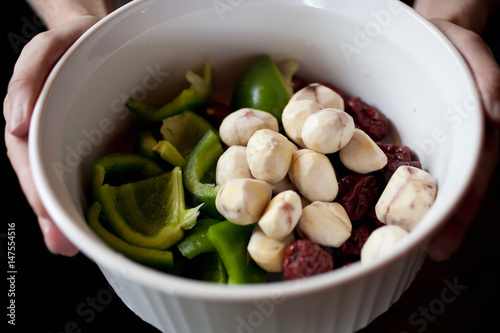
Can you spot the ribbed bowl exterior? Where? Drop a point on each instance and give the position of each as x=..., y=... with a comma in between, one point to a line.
x=342, y=309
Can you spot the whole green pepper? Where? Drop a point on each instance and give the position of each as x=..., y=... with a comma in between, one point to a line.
x=200, y=163
x=231, y=240
x=262, y=86
x=151, y=257
x=189, y=99
x=149, y=213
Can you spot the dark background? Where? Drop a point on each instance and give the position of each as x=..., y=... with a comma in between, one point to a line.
x=50, y=289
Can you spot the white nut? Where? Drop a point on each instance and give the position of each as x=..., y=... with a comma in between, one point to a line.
x=381, y=242
x=281, y=215
x=232, y=164
x=325, y=223
x=407, y=197
x=269, y=155
x=242, y=200
x=313, y=175
x=294, y=115
x=268, y=252
x=362, y=154
x=321, y=94
x=283, y=185
x=240, y=125
x=327, y=131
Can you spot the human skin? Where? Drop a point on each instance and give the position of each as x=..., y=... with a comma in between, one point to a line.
x=66, y=21
x=462, y=21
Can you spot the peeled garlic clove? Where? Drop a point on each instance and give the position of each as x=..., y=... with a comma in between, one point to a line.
x=268, y=252
x=242, y=200
x=407, y=197
x=325, y=223
x=269, y=155
x=327, y=131
x=281, y=215
x=232, y=164
x=313, y=175
x=381, y=242
x=294, y=115
x=362, y=154
x=240, y=125
x=321, y=94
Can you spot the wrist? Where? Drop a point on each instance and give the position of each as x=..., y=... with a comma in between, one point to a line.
x=56, y=13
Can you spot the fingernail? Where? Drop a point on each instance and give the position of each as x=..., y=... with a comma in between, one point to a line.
x=16, y=118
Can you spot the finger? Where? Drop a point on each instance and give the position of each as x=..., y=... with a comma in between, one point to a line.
x=55, y=241
x=482, y=64
x=449, y=239
x=32, y=69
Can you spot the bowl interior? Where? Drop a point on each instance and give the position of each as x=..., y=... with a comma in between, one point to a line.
x=379, y=50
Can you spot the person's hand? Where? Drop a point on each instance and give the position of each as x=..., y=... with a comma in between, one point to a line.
x=487, y=75
x=30, y=72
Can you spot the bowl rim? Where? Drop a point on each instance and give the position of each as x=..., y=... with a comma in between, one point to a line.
x=148, y=277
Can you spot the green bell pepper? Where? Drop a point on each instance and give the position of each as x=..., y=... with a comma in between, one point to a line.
x=205, y=267
x=231, y=240
x=195, y=241
x=121, y=168
x=189, y=99
x=262, y=86
x=169, y=154
x=200, y=163
x=184, y=131
x=150, y=213
x=157, y=258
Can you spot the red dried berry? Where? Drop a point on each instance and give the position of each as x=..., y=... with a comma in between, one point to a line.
x=358, y=194
x=304, y=258
x=216, y=112
x=395, y=153
x=351, y=249
x=369, y=119
x=298, y=83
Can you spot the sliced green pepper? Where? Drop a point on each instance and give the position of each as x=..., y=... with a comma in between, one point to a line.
x=201, y=162
x=189, y=99
x=169, y=154
x=146, y=142
x=184, y=131
x=231, y=240
x=121, y=168
x=150, y=213
x=151, y=257
x=262, y=86
x=205, y=267
x=196, y=241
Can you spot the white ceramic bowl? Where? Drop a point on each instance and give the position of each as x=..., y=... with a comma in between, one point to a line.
x=380, y=50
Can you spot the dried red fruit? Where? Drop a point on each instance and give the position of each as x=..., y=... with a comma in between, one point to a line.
x=216, y=111
x=395, y=153
x=298, y=83
x=369, y=119
x=358, y=194
x=351, y=249
x=304, y=258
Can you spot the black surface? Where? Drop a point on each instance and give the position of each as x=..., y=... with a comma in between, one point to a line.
x=56, y=294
